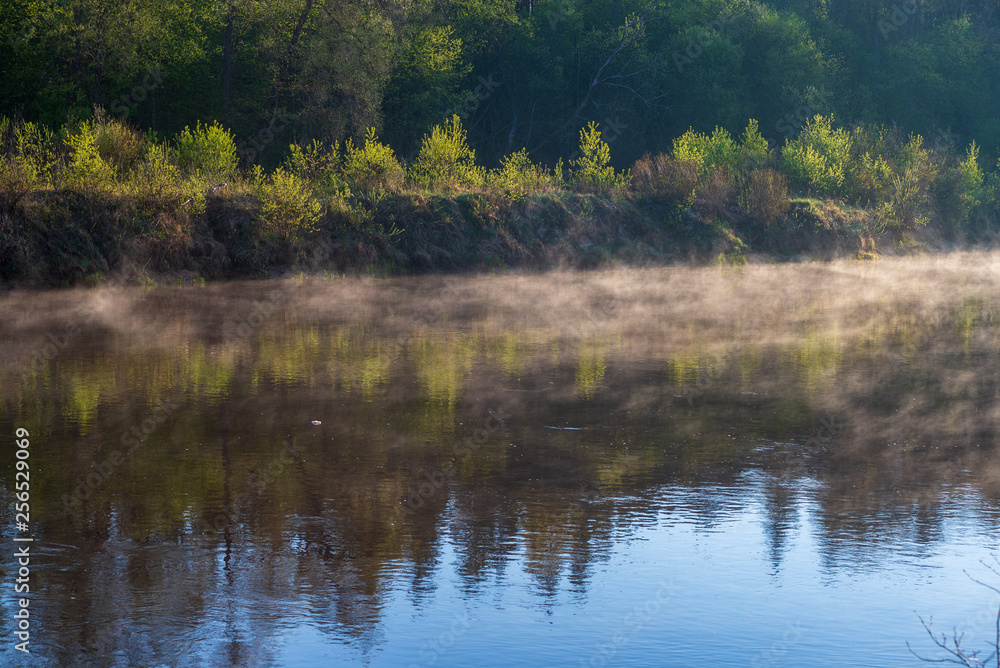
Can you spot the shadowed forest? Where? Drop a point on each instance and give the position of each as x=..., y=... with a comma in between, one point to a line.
x=215, y=139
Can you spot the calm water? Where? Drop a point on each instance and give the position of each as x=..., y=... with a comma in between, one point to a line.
x=775, y=466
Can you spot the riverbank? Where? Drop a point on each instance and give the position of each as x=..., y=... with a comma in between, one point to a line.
x=101, y=201
x=69, y=238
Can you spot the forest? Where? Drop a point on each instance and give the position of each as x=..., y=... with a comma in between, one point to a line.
x=405, y=135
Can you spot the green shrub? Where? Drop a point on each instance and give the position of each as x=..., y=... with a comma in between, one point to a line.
x=371, y=167
x=312, y=161
x=518, y=177
x=971, y=178
x=446, y=161
x=915, y=172
x=156, y=173
x=961, y=187
x=868, y=179
x=720, y=150
x=753, y=150
x=32, y=150
x=592, y=171
x=86, y=166
x=120, y=146
x=254, y=178
x=869, y=169
x=193, y=192
x=912, y=154
x=25, y=160
x=287, y=206
x=320, y=165
x=717, y=150
x=903, y=209
x=207, y=150
x=809, y=168
x=816, y=158
x=664, y=177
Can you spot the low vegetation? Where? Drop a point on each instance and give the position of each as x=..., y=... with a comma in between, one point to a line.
x=97, y=197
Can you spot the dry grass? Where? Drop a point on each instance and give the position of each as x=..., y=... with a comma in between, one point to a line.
x=664, y=177
x=765, y=195
x=716, y=193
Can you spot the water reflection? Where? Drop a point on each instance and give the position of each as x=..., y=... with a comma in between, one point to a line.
x=518, y=447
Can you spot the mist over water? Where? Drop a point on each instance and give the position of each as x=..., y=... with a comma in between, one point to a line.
x=763, y=466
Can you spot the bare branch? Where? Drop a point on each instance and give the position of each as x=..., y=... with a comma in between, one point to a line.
x=959, y=656
x=630, y=30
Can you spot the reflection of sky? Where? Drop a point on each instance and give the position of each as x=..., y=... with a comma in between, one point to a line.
x=685, y=593
x=631, y=468
x=705, y=575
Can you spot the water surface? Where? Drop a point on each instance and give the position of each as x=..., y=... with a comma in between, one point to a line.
x=772, y=466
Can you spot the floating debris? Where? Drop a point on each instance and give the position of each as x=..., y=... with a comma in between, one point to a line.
x=316, y=423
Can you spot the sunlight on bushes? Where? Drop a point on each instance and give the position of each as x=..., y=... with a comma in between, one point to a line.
x=753, y=149
x=904, y=209
x=592, y=172
x=86, y=166
x=372, y=166
x=870, y=181
x=816, y=158
x=720, y=150
x=208, y=150
x=445, y=160
x=156, y=173
x=971, y=183
x=119, y=145
x=25, y=160
x=517, y=177
x=287, y=206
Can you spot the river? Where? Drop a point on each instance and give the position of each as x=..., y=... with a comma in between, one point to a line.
x=751, y=466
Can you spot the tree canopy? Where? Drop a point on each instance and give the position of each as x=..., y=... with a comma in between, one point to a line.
x=519, y=73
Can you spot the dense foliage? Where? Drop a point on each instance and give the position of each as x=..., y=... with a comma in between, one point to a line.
x=519, y=73
x=741, y=113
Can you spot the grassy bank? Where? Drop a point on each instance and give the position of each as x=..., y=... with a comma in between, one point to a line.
x=97, y=200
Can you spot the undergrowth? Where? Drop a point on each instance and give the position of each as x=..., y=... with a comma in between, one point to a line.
x=100, y=198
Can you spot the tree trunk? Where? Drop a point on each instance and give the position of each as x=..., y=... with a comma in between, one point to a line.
x=227, y=63
x=874, y=31
x=300, y=24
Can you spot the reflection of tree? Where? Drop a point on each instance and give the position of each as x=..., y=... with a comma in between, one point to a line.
x=485, y=530
x=601, y=431
x=780, y=517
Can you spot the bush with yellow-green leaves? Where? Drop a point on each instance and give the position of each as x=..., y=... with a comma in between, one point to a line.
x=593, y=172
x=446, y=161
x=288, y=208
